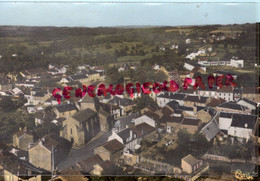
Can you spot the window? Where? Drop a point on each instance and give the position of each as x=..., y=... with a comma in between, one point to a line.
x=71, y=131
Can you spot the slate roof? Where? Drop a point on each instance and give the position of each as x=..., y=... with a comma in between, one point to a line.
x=126, y=120
x=169, y=95
x=124, y=134
x=65, y=107
x=225, y=115
x=166, y=110
x=173, y=119
x=249, y=90
x=211, y=129
x=214, y=88
x=244, y=121
x=18, y=167
x=215, y=102
x=193, y=63
x=113, y=146
x=190, y=160
x=22, y=132
x=173, y=104
x=190, y=121
x=40, y=94
x=78, y=76
x=91, y=72
x=84, y=115
x=224, y=89
x=152, y=115
x=197, y=99
x=87, y=164
x=143, y=129
x=106, y=164
x=121, y=101
x=232, y=105
x=249, y=101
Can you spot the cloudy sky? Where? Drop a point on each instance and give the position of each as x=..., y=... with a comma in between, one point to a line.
x=105, y=13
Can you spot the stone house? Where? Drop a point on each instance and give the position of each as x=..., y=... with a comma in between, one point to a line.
x=190, y=164
x=22, y=139
x=111, y=150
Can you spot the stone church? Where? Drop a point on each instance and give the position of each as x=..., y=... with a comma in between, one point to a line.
x=87, y=122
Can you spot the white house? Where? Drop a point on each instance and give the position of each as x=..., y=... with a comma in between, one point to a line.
x=239, y=125
x=145, y=119
x=247, y=103
x=242, y=126
x=127, y=137
x=190, y=65
x=225, y=120
x=236, y=63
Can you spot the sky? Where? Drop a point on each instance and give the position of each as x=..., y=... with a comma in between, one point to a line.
x=105, y=13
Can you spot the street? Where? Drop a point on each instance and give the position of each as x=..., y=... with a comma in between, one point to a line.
x=87, y=151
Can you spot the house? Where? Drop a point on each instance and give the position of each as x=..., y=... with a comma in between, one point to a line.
x=145, y=119
x=207, y=92
x=111, y=150
x=215, y=102
x=93, y=75
x=70, y=174
x=100, y=167
x=143, y=130
x=242, y=126
x=115, y=110
x=167, y=97
x=226, y=93
x=191, y=101
x=126, y=137
x=131, y=159
x=49, y=147
x=247, y=103
x=174, y=105
x=190, y=65
x=239, y=125
x=251, y=93
x=235, y=62
x=190, y=124
x=80, y=127
x=22, y=139
x=233, y=107
x=39, y=98
x=86, y=166
x=172, y=122
x=16, y=169
x=190, y=164
x=124, y=103
x=124, y=122
x=77, y=77
x=65, y=110
x=5, y=85
x=211, y=129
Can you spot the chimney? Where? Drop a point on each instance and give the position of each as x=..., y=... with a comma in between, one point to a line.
x=20, y=129
x=246, y=125
x=195, y=110
x=131, y=134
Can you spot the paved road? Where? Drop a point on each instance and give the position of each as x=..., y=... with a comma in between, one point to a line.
x=87, y=151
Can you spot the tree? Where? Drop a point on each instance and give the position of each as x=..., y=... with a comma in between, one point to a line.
x=143, y=102
x=160, y=76
x=108, y=46
x=7, y=104
x=113, y=76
